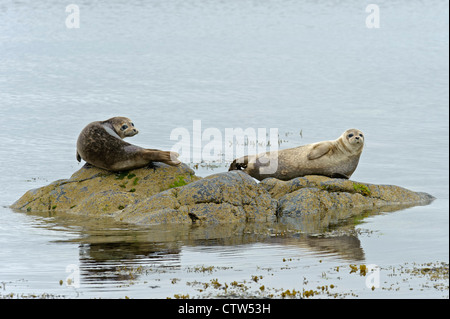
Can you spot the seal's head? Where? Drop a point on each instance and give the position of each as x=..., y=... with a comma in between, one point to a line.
x=123, y=126
x=354, y=138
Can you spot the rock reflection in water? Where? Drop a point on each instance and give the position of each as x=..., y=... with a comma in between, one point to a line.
x=114, y=252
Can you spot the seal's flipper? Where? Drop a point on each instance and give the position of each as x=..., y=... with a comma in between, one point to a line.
x=169, y=158
x=235, y=166
x=173, y=163
x=78, y=157
x=318, y=151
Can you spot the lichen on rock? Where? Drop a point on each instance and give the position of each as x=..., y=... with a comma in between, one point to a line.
x=174, y=195
x=93, y=191
x=321, y=201
x=220, y=198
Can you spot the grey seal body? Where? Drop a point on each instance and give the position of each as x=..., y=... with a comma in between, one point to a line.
x=337, y=159
x=101, y=144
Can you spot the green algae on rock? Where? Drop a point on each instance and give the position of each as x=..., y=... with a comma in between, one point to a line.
x=93, y=191
x=320, y=201
x=220, y=198
x=174, y=195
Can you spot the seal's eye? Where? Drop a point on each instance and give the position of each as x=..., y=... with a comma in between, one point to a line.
x=124, y=127
x=132, y=124
x=361, y=135
x=350, y=135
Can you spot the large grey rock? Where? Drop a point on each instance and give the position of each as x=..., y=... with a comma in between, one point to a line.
x=318, y=201
x=220, y=198
x=174, y=195
x=96, y=192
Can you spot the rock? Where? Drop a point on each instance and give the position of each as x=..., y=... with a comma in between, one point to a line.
x=319, y=201
x=96, y=192
x=174, y=195
x=220, y=198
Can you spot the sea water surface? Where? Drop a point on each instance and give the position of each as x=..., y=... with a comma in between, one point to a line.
x=309, y=69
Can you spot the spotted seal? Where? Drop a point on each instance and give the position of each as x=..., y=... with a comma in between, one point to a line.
x=338, y=159
x=101, y=144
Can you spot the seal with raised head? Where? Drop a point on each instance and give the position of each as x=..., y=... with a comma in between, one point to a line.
x=336, y=159
x=101, y=144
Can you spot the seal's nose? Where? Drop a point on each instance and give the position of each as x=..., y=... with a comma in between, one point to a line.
x=357, y=137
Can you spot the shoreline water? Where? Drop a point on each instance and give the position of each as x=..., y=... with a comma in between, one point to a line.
x=309, y=67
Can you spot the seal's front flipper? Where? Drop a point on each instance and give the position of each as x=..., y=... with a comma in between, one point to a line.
x=318, y=151
x=78, y=157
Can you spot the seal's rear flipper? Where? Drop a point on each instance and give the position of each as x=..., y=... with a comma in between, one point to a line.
x=169, y=158
x=235, y=166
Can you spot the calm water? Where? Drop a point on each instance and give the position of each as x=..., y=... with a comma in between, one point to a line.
x=298, y=66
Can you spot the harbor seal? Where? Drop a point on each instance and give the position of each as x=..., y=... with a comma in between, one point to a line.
x=336, y=159
x=101, y=144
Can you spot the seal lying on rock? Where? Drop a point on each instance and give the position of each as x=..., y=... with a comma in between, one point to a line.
x=101, y=144
x=336, y=159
